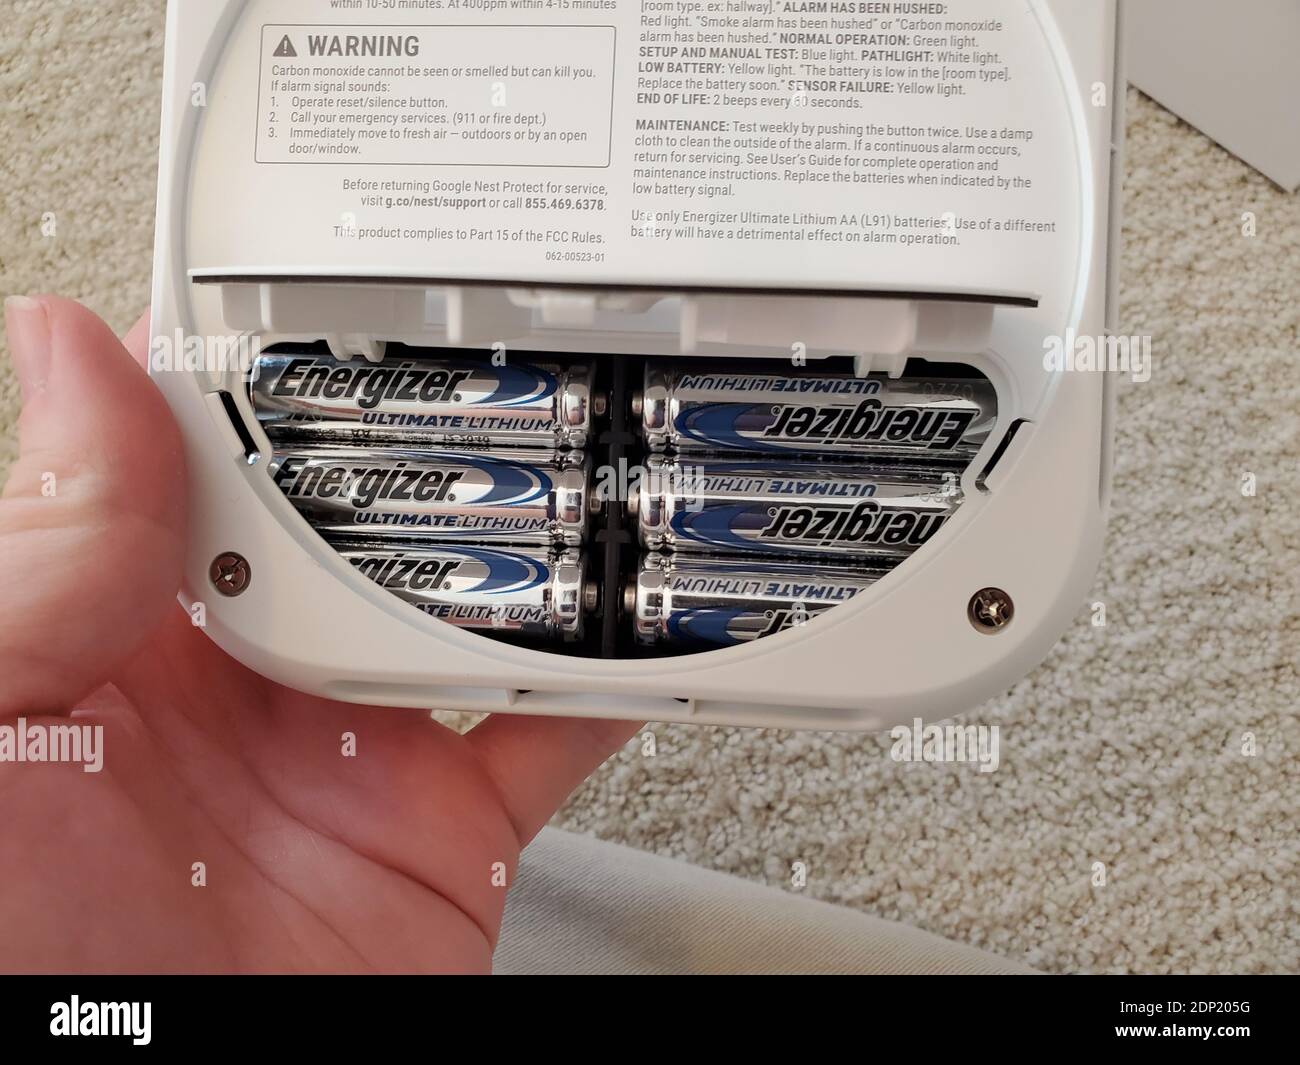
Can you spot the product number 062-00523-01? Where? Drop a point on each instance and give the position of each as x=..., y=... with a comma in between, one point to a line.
x=575, y=256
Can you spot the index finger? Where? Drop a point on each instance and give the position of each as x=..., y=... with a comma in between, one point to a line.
x=136, y=341
x=537, y=762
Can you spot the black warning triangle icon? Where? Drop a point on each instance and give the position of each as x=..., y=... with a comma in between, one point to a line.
x=286, y=50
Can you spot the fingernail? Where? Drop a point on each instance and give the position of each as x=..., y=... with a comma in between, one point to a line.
x=28, y=327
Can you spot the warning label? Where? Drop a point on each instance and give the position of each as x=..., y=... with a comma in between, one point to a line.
x=845, y=145
x=538, y=96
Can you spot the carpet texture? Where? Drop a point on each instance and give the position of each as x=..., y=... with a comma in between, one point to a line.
x=1125, y=748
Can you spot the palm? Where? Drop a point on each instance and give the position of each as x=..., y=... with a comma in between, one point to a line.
x=331, y=837
x=311, y=859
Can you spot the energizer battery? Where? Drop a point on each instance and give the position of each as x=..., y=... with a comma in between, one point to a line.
x=423, y=402
x=488, y=497
x=719, y=411
x=729, y=508
x=725, y=602
x=533, y=594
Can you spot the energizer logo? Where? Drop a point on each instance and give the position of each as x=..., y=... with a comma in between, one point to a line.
x=871, y=423
x=369, y=386
x=865, y=524
x=404, y=574
x=363, y=486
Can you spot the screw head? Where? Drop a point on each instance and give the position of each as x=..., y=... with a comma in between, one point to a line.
x=231, y=574
x=991, y=610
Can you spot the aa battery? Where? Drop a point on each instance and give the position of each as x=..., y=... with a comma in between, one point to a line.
x=496, y=497
x=532, y=594
x=423, y=402
x=771, y=413
x=747, y=508
x=696, y=601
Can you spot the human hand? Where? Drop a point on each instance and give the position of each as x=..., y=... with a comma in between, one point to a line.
x=313, y=861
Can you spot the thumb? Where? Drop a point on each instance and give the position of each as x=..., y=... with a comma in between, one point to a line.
x=92, y=519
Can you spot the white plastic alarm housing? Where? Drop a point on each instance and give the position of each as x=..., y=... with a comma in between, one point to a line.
x=255, y=242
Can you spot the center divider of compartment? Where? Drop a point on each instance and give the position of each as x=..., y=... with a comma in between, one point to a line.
x=613, y=449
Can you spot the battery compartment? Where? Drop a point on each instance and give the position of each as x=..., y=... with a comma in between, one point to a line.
x=625, y=441
x=613, y=551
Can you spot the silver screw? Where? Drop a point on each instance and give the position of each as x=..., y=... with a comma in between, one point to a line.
x=231, y=574
x=991, y=610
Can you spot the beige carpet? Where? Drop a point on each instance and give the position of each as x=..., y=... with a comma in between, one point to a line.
x=1124, y=749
